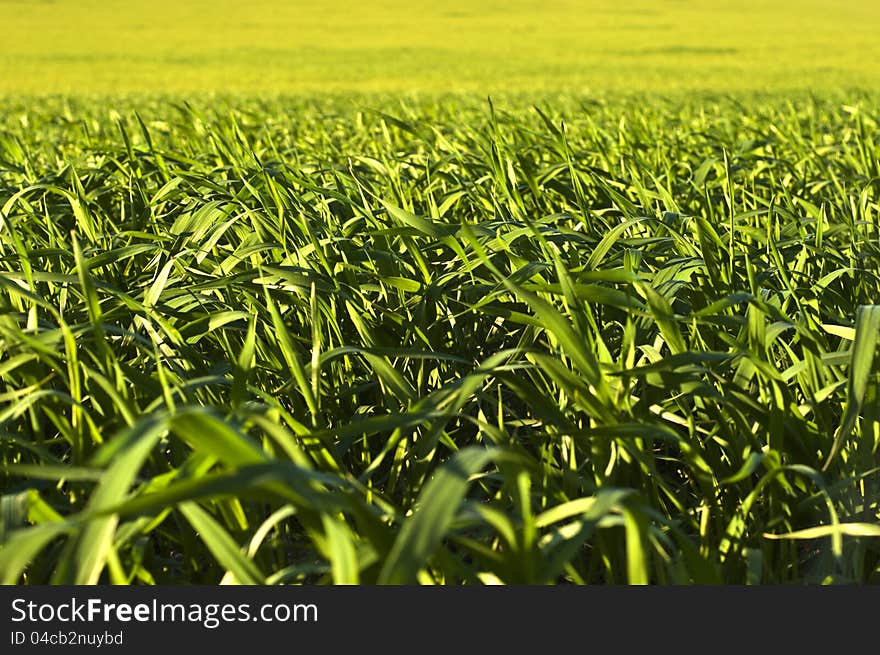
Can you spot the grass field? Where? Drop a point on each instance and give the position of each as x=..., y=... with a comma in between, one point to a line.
x=271, y=46
x=285, y=299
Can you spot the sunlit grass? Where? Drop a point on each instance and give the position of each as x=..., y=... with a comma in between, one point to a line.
x=595, y=342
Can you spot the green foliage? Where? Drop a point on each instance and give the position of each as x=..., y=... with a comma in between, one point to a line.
x=601, y=341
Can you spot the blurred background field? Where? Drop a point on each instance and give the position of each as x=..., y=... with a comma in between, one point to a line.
x=270, y=46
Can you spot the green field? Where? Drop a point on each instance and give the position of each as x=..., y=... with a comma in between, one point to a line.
x=284, y=298
x=269, y=46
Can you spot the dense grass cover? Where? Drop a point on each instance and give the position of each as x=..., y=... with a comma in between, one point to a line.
x=601, y=341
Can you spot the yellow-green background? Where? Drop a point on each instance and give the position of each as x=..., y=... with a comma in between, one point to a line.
x=110, y=46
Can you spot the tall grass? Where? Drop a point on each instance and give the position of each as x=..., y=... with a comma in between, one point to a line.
x=445, y=343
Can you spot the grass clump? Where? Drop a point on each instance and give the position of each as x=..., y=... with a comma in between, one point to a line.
x=597, y=341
